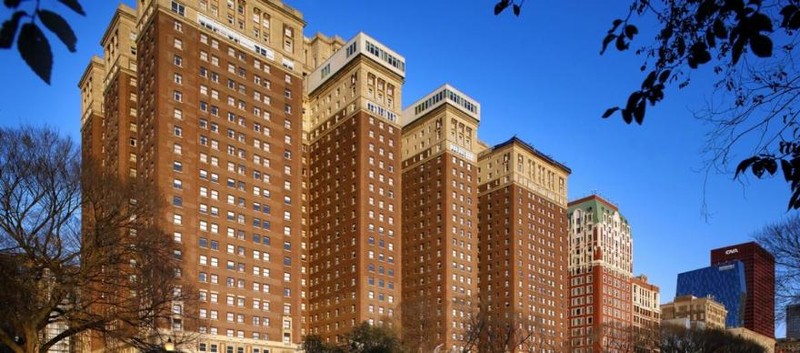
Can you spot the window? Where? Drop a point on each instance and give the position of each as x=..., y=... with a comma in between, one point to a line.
x=178, y=8
x=178, y=96
x=178, y=44
x=177, y=60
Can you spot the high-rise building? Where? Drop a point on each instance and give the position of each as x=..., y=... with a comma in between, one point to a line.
x=523, y=242
x=204, y=99
x=318, y=49
x=600, y=275
x=109, y=129
x=646, y=301
x=725, y=283
x=694, y=312
x=354, y=190
x=280, y=158
x=759, y=273
x=440, y=218
x=793, y=321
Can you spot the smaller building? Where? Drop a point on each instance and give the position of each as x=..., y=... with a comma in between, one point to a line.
x=765, y=341
x=787, y=345
x=646, y=313
x=646, y=298
x=700, y=312
x=793, y=321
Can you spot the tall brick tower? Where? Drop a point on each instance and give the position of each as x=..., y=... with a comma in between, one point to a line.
x=204, y=100
x=440, y=218
x=523, y=241
x=759, y=274
x=354, y=133
x=600, y=272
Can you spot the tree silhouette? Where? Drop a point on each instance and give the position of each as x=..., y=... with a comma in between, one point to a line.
x=364, y=338
x=678, y=339
x=782, y=240
x=78, y=249
x=751, y=47
x=33, y=45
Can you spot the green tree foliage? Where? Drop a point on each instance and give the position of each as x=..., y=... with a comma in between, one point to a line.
x=33, y=45
x=366, y=338
x=751, y=46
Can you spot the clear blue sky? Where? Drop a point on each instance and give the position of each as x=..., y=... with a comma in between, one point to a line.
x=540, y=77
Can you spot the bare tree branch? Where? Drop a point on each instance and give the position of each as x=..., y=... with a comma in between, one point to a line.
x=80, y=248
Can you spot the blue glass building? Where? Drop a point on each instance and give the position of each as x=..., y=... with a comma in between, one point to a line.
x=724, y=282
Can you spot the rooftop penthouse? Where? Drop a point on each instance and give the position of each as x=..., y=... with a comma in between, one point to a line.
x=440, y=96
x=360, y=44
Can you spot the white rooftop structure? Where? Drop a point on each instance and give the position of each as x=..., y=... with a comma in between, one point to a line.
x=360, y=44
x=440, y=96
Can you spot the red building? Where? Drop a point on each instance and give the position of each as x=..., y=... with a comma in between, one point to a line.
x=759, y=273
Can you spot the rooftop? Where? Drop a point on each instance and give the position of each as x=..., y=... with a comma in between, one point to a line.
x=516, y=140
x=444, y=94
x=362, y=44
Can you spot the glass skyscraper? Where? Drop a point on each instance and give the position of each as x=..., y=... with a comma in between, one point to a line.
x=724, y=282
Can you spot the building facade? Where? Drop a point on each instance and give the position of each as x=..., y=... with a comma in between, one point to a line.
x=768, y=343
x=204, y=99
x=759, y=273
x=354, y=192
x=646, y=313
x=440, y=219
x=523, y=243
x=724, y=283
x=702, y=312
x=793, y=321
x=600, y=276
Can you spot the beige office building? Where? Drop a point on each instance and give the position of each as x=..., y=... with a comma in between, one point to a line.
x=646, y=313
x=646, y=299
x=700, y=312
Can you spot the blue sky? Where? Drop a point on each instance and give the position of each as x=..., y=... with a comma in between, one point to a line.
x=540, y=77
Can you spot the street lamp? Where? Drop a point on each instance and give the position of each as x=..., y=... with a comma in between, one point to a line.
x=169, y=346
x=437, y=348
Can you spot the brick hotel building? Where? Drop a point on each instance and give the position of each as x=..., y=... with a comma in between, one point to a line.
x=205, y=98
x=600, y=276
x=440, y=218
x=281, y=157
x=523, y=242
x=354, y=190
